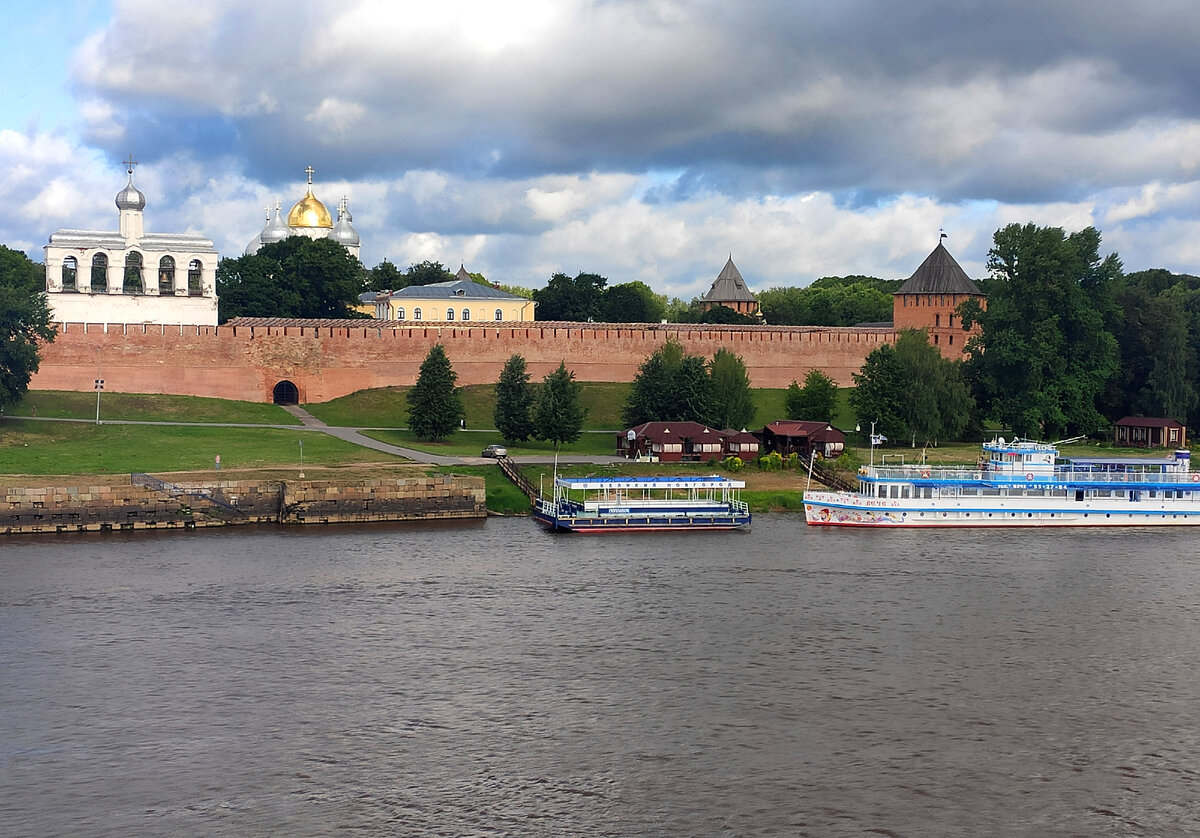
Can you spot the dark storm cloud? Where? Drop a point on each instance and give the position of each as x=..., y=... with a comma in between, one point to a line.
x=1013, y=101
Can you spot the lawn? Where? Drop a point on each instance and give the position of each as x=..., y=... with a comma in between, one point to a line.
x=386, y=407
x=470, y=443
x=59, y=448
x=61, y=404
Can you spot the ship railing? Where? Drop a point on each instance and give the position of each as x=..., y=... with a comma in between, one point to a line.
x=1060, y=475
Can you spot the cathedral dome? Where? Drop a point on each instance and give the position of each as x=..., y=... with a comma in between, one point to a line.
x=309, y=212
x=276, y=230
x=344, y=233
x=131, y=198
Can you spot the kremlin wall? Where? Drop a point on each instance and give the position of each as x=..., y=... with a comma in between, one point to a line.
x=249, y=359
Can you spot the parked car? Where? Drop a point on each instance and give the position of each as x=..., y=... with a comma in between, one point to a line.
x=496, y=451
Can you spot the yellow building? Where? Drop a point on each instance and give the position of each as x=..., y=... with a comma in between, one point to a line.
x=459, y=300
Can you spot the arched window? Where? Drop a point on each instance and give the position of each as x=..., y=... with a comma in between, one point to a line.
x=937, y=319
x=166, y=276
x=100, y=273
x=194, y=289
x=400, y=313
x=70, y=269
x=466, y=315
x=449, y=314
x=133, y=274
x=499, y=314
x=416, y=314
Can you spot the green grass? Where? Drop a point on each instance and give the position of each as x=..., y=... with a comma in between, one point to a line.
x=386, y=407
x=44, y=448
x=471, y=443
x=60, y=404
x=502, y=494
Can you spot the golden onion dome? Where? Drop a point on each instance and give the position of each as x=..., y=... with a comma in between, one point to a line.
x=309, y=212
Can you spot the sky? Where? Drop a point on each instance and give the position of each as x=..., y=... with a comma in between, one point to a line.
x=638, y=139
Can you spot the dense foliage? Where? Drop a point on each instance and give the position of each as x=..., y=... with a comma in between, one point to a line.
x=575, y=299
x=830, y=301
x=514, y=399
x=434, y=406
x=816, y=401
x=1045, y=353
x=558, y=416
x=296, y=277
x=910, y=392
x=732, y=404
x=24, y=323
x=670, y=386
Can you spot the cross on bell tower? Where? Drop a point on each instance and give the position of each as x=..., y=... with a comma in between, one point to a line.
x=130, y=164
x=309, y=171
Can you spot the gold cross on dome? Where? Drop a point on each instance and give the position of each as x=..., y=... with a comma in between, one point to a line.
x=309, y=171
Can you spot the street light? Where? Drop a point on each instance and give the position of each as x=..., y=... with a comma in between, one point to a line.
x=99, y=386
x=301, y=458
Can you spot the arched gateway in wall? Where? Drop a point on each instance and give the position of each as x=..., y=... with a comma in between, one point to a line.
x=285, y=392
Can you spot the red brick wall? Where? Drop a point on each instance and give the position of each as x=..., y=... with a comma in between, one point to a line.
x=937, y=315
x=334, y=360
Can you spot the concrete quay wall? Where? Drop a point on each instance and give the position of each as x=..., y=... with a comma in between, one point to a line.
x=124, y=506
x=329, y=359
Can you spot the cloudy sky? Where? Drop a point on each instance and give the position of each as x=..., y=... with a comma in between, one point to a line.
x=639, y=139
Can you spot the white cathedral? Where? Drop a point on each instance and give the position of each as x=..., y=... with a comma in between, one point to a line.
x=308, y=217
x=129, y=275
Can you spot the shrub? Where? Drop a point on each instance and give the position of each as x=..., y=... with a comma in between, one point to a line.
x=770, y=462
x=732, y=463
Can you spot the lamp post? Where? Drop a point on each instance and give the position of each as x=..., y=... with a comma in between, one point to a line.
x=99, y=386
x=301, y=458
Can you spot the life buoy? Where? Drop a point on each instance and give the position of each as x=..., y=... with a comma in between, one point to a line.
x=1029, y=476
x=925, y=473
x=1196, y=478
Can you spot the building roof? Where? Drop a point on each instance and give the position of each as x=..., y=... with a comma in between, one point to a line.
x=1148, y=422
x=455, y=289
x=940, y=274
x=795, y=428
x=669, y=431
x=729, y=287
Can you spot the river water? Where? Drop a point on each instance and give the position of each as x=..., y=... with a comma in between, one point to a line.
x=494, y=680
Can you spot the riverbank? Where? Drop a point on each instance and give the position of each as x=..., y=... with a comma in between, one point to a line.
x=141, y=502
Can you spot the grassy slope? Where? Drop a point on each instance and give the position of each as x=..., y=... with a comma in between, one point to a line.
x=58, y=404
x=60, y=448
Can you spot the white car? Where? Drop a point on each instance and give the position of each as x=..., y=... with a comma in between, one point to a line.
x=496, y=451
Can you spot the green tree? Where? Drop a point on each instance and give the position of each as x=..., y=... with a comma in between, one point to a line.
x=816, y=401
x=830, y=301
x=670, y=386
x=24, y=323
x=577, y=300
x=911, y=392
x=386, y=277
x=514, y=399
x=558, y=416
x=732, y=403
x=296, y=277
x=1044, y=354
x=724, y=315
x=434, y=406
x=426, y=273
x=631, y=302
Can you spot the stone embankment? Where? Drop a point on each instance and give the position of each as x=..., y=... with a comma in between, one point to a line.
x=147, y=503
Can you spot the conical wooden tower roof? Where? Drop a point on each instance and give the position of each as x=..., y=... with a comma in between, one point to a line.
x=940, y=274
x=729, y=287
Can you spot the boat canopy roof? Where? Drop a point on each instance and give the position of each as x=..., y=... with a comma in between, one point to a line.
x=634, y=483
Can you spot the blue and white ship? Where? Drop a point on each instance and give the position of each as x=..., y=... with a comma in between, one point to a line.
x=1018, y=484
x=629, y=504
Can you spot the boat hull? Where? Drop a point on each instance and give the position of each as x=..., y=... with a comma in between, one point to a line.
x=846, y=509
x=641, y=523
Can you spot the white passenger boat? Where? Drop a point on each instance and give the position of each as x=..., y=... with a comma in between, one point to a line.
x=1018, y=484
x=627, y=504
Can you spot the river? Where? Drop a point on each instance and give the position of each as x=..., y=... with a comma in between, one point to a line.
x=495, y=680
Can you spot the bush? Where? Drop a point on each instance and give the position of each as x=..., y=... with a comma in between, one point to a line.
x=732, y=463
x=792, y=460
x=770, y=462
